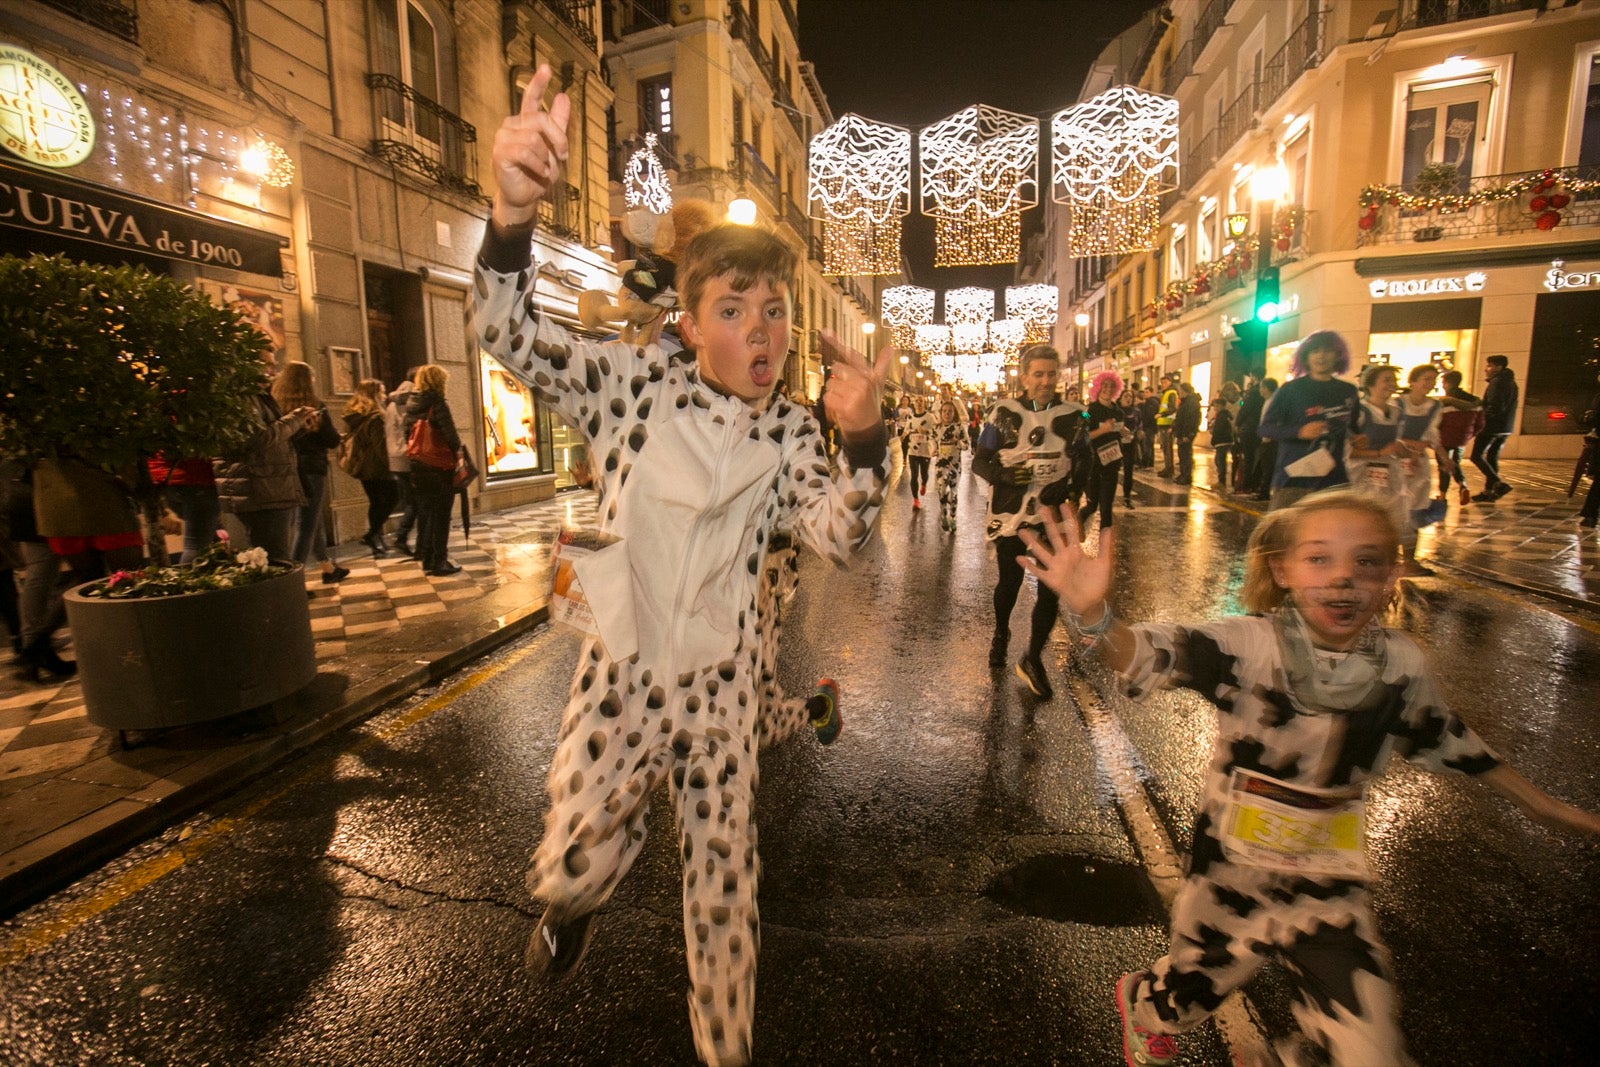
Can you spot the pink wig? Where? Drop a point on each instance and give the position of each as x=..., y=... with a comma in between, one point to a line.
x=1106, y=379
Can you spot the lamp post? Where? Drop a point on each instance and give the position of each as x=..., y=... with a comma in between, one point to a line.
x=1081, y=321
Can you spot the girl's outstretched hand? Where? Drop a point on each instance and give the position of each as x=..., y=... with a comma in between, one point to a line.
x=1081, y=581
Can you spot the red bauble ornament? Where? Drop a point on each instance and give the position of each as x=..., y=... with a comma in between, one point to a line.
x=1544, y=186
x=1538, y=203
x=1283, y=244
x=1560, y=200
x=1366, y=222
x=1548, y=220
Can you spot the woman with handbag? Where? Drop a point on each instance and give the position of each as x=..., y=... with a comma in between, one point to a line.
x=434, y=448
x=295, y=390
x=364, y=455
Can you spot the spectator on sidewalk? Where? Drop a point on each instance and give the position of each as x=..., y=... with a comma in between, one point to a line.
x=296, y=389
x=190, y=489
x=39, y=609
x=433, y=487
x=1220, y=420
x=1166, y=415
x=1134, y=441
x=364, y=455
x=89, y=517
x=1247, y=436
x=261, y=484
x=1149, y=406
x=1460, y=422
x=1185, y=428
x=1266, y=460
x=1310, y=419
x=394, y=419
x=1499, y=416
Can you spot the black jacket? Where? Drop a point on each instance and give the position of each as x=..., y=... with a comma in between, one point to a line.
x=1500, y=403
x=1187, y=421
x=1250, y=413
x=311, y=446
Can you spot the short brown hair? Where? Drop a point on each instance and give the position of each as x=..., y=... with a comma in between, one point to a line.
x=746, y=254
x=1274, y=536
x=1033, y=353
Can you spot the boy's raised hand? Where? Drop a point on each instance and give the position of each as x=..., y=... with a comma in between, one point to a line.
x=1081, y=581
x=855, y=391
x=530, y=149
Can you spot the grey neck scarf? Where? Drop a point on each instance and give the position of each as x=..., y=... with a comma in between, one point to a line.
x=1345, y=686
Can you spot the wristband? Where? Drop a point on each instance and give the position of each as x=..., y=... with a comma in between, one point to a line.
x=1091, y=634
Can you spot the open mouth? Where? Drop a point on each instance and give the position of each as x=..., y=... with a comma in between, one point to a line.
x=1342, y=611
x=761, y=371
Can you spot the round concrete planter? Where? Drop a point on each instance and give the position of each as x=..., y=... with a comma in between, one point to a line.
x=152, y=663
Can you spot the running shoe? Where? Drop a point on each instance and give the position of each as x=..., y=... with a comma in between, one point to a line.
x=556, y=948
x=916, y=503
x=1031, y=671
x=1484, y=497
x=826, y=718
x=1140, y=1047
x=1465, y=496
x=1501, y=490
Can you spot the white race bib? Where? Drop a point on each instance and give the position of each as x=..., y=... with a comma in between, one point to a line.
x=1294, y=828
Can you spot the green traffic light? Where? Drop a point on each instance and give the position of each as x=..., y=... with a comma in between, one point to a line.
x=1267, y=312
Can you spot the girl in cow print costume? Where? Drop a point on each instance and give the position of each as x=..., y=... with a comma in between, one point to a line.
x=1314, y=697
x=949, y=441
x=698, y=464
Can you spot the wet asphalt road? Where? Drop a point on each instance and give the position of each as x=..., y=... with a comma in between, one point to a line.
x=951, y=882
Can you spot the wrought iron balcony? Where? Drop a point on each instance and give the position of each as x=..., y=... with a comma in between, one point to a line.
x=750, y=168
x=796, y=219
x=1489, y=206
x=577, y=16
x=561, y=212
x=1416, y=13
x=622, y=17
x=1237, y=120
x=1200, y=158
x=1212, y=19
x=742, y=29
x=1301, y=51
x=1179, y=68
x=417, y=134
x=116, y=17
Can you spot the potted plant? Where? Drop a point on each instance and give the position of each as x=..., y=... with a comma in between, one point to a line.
x=105, y=367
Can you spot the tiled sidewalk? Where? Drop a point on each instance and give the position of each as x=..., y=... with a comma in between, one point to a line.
x=68, y=790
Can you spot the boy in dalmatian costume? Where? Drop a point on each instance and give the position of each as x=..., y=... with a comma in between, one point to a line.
x=1313, y=697
x=778, y=716
x=1025, y=453
x=701, y=463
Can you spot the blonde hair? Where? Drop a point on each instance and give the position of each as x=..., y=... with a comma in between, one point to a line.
x=366, y=398
x=1275, y=535
x=431, y=378
x=295, y=387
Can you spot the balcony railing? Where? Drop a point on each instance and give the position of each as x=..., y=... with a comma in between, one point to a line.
x=577, y=16
x=796, y=219
x=1200, y=158
x=751, y=169
x=416, y=134
x=116, y=17
x=742, y=29
x=622, y=17
x=1180, y=67
x=1485, y=210
x=1301, y=52
x=1211, y=20
x=561, y=212
x=1416, y=13
x=1237, y=120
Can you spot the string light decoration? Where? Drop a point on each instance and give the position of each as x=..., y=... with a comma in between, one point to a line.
x=860, y=187
x=969, y=338
x=645, y=182
x=267, y=161
x=1036, y=306
x=944, y=368
x=979, y=172
x=1112, y=158
x=1007, y=335
x=932, y=340
x=969, y=306
x=903, y=308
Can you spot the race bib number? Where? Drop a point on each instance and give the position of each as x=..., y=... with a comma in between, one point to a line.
x=1295, y=829
x=1047, y=466
x=949, y=451
x=1109, y=453
x=568, y=605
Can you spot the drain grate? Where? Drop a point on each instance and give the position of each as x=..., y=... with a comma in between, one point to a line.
x=1079, y=889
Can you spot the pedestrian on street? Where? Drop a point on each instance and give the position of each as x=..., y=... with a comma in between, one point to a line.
x=919, y=429
x=1266, y=461
x=1591, y=442
x=394, y=428
x=950, y=440
x=1310, y=419
x=1134, y=441
x=1105, y=427
x=1460, y=421
x=433, y=483
x=1314, y=697
x=1166, y=415
x=666, y=689
x=261, y=483
x=364, y=455
x=1185, y=428
x=295, y=389
x=1220, y=419
x=1389, y=450
x=1247, y=436
x=189, y=487
x=1499, y=416
x=39, y=608
x=1149, y=406
x=1024, y=453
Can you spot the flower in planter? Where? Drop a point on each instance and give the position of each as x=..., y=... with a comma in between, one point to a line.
x=218, y=567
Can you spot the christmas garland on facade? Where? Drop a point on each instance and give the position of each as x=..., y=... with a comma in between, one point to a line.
x=1548, y=192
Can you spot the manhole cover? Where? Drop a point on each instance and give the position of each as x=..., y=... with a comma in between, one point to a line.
x=1079, y=889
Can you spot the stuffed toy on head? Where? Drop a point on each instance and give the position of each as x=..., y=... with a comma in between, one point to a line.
x=648, y=291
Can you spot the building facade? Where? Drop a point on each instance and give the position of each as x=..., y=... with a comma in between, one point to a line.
x=1424, y=176
x=324, y=167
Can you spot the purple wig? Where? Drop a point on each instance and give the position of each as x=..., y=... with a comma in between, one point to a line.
x=1322, y=339
x=1100, y=381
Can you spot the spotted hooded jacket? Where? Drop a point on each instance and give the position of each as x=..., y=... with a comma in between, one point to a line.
x=690, y=480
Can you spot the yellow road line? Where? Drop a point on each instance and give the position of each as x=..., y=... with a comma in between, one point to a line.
x=145, y=873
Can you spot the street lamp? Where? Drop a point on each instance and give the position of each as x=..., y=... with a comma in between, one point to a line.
x=742, y=211
x=1081, y=321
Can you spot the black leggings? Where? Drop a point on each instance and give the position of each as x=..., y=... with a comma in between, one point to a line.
x=381, y=496
x=1045, y=608
x=1102, y=493
x=919, y=474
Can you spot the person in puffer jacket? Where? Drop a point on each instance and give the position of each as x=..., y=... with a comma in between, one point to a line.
x=696, y=464
x=261, y=484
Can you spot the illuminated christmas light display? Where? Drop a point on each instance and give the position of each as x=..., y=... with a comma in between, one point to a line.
x=1006, y=336
x=860, y=187
x=932, y=340
x=969, y=338
x=979, y=172
x=645, y=181
x=969, y=306
x=1112, y=157
x=1036, y=306
x=904, y=307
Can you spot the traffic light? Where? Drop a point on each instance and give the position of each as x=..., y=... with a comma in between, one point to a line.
x=1267, y=295
x=1252, y=335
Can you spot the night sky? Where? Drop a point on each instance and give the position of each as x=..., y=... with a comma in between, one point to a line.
x=913, y=62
